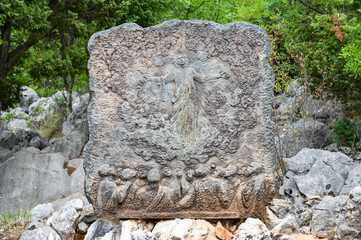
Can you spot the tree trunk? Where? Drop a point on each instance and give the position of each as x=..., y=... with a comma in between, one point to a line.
x=69, y=91
x=4, y=49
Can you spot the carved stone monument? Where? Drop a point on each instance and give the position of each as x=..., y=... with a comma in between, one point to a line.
x=180, y=121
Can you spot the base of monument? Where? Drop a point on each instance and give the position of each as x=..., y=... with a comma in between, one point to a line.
x=172, y=215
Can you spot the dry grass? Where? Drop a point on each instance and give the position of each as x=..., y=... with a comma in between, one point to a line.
x=12, y=225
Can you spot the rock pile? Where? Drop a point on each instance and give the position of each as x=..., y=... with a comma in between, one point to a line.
x=36, y=170
x=325, y=187
x=75, y=219
x=302, y=121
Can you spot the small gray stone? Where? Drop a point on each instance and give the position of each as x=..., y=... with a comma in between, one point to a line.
x=82, y=228
x=78, y=119
x=69, y=146
x=87, y=214
x=7, y=140
x=346, y=150
x=332, y=147
x=39, y=231
x=357, y=156
x=38, y=142
x=41, y=211
x=104, y=230
x=28, y=96
x=64, y=220
x=286, y=226
x=5, y=154
x=142, y=235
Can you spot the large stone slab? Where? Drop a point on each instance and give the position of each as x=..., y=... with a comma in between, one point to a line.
x=30, y=177
x=180, y=121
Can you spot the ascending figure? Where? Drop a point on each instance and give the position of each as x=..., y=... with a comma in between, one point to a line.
x=206, y=193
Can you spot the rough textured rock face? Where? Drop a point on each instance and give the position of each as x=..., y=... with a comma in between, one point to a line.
x=180, y=121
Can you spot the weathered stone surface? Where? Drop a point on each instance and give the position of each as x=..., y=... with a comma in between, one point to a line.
x=325, y=214
x=315, y=172
x=180, y=121
x=305, y=133
x=222, y=233
x=7, y=140
x=142, y=235
x=5, y=154
x=30, y=177
x=253, y=229
x=78, y=119
x=40, y=231
x=353, y=180
x=175, y=229
x=64, y=220
x=28, y=96
x=69, y=146
x=41, y=211
x=286, y=226
x=349, y=226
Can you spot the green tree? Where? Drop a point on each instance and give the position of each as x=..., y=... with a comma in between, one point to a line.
x=323, y=37
x=65, y=25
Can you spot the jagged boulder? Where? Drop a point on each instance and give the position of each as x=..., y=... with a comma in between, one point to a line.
x=305, y=133
x=349, y=224
x=31, y=177
x=319, y=172
x=325, y=214
x=69, y=146
x=28, y=96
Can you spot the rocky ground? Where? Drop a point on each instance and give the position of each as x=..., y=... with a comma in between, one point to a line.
x=320, y=195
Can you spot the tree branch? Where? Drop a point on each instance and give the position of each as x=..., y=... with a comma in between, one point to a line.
x=190, y=11
x=309, y=6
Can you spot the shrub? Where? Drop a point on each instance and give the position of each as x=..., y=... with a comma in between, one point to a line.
x=345, y=132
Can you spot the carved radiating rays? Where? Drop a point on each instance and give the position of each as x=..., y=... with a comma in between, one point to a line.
x=191, y=101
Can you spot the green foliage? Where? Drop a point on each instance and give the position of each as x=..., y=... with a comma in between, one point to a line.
x=43, y=43
x=345, y=131
x=323, y=37
x=10, y=92
x=351, y=54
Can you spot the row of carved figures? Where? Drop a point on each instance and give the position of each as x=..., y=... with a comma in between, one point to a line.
x=243, y=189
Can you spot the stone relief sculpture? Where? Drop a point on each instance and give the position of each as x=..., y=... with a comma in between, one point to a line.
x=180, y=121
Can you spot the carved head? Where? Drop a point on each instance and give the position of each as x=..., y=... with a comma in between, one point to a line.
x=142, y=172
x=218, y=172
x=178, y=172
x=153, y=175
x=189, y=174
x=181, y=61
x=104, y=170
x=230, y=171
x=166, y=172
x=128, y=174
x=202, y=170
x=107, y=170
